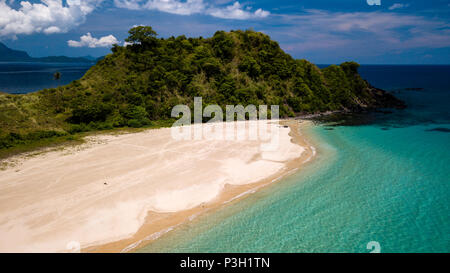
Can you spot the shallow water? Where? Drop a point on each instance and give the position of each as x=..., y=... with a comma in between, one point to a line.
x=385, y=180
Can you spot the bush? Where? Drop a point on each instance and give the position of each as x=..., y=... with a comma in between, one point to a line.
x=134, y=123
x=118, y=121
x=146, y=122
x=90, y=113
x=134, y=98
x=43, y=134
x=295, y=103
x=211, y=66
x=135, y=112
x=77, y=128
x=14, y=139
x=249, y=65
x=223, y=45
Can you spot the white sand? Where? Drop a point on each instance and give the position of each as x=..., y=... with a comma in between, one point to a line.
x=54, y=199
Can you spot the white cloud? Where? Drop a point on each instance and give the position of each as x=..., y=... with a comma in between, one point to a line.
x=176, y=7
x=234, y=11
x=170, y=6
x=363, y=33
x=398, y=6
x=128, y=4
x=48, y=16
x=89, y=41
x=58, y=16
x=52, y=29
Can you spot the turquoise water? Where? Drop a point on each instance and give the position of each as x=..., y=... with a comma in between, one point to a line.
x=384, y=180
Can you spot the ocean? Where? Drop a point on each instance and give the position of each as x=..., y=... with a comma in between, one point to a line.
x=22, y=77
x=380, y=182
x=379, y=179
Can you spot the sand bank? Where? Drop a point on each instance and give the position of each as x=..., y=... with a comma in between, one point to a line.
x=127, y=190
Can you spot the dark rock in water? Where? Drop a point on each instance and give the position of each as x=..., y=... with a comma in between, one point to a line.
x=384, y=99
x=384, y=128
x=439, y=129
x=345, y=119
x=329, y=129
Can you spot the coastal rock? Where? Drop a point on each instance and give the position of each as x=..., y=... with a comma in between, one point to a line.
x=384, y=99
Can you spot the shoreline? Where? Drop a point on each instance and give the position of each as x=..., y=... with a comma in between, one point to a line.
x=158, y=224
x=118, y=193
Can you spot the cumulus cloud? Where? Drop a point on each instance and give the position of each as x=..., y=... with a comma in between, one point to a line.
x=398, y=6
x=48, y=16
x=233, y=11
x=58, y=16
x=128, y=4
x=176, y=7
x=89, y=41
x=236, y=11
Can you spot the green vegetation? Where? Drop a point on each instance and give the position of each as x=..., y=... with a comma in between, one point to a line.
x=137, y=85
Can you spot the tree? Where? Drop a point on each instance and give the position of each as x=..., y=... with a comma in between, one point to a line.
x=350, y=68
x=143, y=35
x=249, y=65
x=223, y=45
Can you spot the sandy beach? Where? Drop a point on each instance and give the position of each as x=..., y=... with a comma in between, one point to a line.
x=121, y=192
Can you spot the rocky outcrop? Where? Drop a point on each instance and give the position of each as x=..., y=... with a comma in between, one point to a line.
x=383, y=99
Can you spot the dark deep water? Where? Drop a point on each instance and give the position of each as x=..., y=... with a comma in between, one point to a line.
x=20, y=77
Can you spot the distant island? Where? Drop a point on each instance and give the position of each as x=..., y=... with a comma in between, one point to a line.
x=138, y=84
x=10, y=55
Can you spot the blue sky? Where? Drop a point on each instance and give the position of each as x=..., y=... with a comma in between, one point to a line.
x=322, y=31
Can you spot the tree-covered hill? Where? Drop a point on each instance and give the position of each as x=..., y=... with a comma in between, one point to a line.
x=140, y=83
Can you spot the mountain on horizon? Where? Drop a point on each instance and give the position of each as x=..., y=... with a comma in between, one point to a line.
x=7, y=54
x=89, y=57
x=11, y=55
